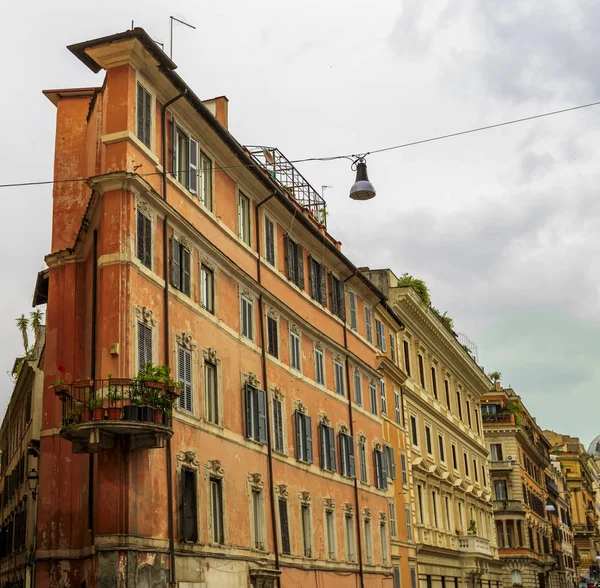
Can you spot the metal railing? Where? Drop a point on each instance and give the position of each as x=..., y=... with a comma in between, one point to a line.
x=116, y=399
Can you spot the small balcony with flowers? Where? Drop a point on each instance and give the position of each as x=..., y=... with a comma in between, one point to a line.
x=97, y=412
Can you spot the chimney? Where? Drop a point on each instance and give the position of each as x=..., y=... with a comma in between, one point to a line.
x=497, y=386
x=219, y=107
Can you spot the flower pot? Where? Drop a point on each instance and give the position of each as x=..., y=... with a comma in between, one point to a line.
x=86, y=415
x=120, y=381
x=60, y=390
x=131, y=412
x=153, y=384
x=159, y=417
x=114, y=413
x=98, y=414
x=146, y=414
x=174, y=392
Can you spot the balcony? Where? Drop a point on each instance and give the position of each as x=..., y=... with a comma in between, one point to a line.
x=96, y=412
x=501, y=465
x=506, y=418
x=506, y=506
x=474, y=545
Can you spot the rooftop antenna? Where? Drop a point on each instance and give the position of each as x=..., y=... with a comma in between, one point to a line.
x=183, y=23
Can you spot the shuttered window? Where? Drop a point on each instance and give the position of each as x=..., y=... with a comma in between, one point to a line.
x=380, y=469
x=206, y=168
x=327, y=448
x=350, y=543
x=284, y=527
x=406, y=357
x=247, y=327
x=306, y=531
x=295, y=351
x=318, y=281
x=192, y=183
x=144, y=239
x=337, y=298
x=380, y=335
x=256, y=414
x=211, y=393
x=384, y=543
x=303, y=430
x=216, y=503
x=397, y=410
x=408, y=521
x=362, y=461
x=189, y=506
x=352, y=307
x=393, y=348
x=393, y=526
x=272, y=337
x=368, y=541
x=188, y=164
x=207, y=288
x=373, y=397
x=294, y=262
x=347, y=466
x=319, y=367
x=258, y=519
x=368, y=325
x=390, y=462
x=338, y=370
x=397, y=577
x=278, y=425
x=404, y=469
x=244, y=223
x=330, y=533
x=382, y=394
x=184, y=372
x=144, y=345
x=144, y=115
x=269, y=241
x=357, y=388
x=180, y=267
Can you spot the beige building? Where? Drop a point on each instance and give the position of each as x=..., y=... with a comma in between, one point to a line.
x=19, y=451
x=450, y=489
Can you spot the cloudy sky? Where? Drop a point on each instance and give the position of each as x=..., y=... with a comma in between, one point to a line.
x=500, y=224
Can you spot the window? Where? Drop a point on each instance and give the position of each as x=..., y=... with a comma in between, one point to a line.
x=459, y=404
x=352, y=307
x=466, y=460
x=338, y=372
x=244, y=223
x=435, y=510
x=380, y=469
x=475, y=470
x=373, y=395
x=189, y=506
x=284, y=527
x=434, y=382
x=337, y=299
x=390, y=462
x=184, y=372
x=406, y=357
x=327, y=447
x=404, y=469
x=421, y=371
x=362, y=459
x=211, y=392
x=441, y=447
x=460, y=517
x=368, y=325
x=318, y=281
x=184, y=164
x=258, y=519
x=420, y=503
x=278, y=425
x=469, y=413
x=454, y=459
x=350, y=545
x=413, y=430
x=397, y=577
x=144, y=239
x=319, y=367
x=304, y=449
x=144, y=115
x=393, y=348
x=500, y=490
x=330, y=531
x=448, y=520
x=347, y=455
x=413, y=578
x=428, y=440
x=205, y=181
x=272, y=337
x=144, y=345
x=483, y=476
x=294, y=262
x=392, y=511
x=295, y=351
x=397, y=406
x=383, y=397
x=477, y=422
x=407, y=518
x=180, y=267
x=384, y=543
x=247, y=318
x=447, y=390
x=306, y=531
x=368, y=541
x=516, y=578
x=216, y=502
x=496, y=451
x=269, y=241
x=380, y=336
x=256, y=414
x=357, y=388
x=207, y=288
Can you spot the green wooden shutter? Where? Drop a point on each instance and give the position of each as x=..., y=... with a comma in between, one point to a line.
x=185, y=271
x=175, y=264
x=299, y=267
x=309, y=439
x=351, y=461
x=249, y=402
x=262, y=416
x=298, y=430
x=331, y=447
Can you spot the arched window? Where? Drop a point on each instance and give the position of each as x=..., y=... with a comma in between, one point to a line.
x=516, y=578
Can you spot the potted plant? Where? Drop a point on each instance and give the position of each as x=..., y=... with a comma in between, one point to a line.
x=86, y=413
x=472, y=528
x=113, y=411
x=97, y=408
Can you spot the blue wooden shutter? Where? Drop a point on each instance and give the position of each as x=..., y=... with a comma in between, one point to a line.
x=175, y=264
x=262, y=416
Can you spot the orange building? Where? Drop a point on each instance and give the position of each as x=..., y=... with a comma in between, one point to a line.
x=185, y=249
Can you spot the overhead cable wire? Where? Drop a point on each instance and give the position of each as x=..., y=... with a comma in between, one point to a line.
x=347, y=156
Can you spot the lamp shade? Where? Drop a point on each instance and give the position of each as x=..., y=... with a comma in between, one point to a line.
x=362, y=189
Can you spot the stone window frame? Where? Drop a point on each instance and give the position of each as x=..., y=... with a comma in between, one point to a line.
x=318, y=346
x=384, y=539
x=274, y=314
x=214, y=470
x=210, y=355
x=361, y=438
x=329, y=507
x=367, y=516
x=187, y=243
x=305, y=499
x=141, y=205
x=188, y=460
x=277, y=394
x=282, y=493
x=145, y=83
x=145, y=315
x=266, y=216
x=294, y=329
x=348, y=513
x=255, y=483
x=185, y=340
x=245, y=292
x=204, y=260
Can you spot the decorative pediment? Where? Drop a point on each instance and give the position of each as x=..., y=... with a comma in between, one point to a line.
x=382, y=517
x=366, y=513
x=342, y=427
x=184, y=241
x=244, y=291
x=300, y=406
x=214, y=468
x=304, y=497
x=188, y=458
x=145, y=315
x=210, y=354
x=362, y=437
x=324, y=419
x=329, y=504
x=338, y=357
x=256, y=481
x=282, y=491
x=294, y=328
x=277, y=393
x=185, y=340
x=348, y=508
x=377, y=445
x=251, y=379
x=144, y=208
x=272, y=313
x=207, y=262
x=319, y=345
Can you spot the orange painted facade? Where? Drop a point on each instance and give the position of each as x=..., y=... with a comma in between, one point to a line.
x=114, y=507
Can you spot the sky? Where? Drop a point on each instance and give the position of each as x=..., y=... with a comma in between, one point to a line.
x=500, y=224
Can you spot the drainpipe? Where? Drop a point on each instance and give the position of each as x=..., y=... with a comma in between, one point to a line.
x=264, y=375
x=170, y=521
x=351, y=419
x=93, y=374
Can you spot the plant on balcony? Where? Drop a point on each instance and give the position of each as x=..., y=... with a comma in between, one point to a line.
x=515, y=409
x=495, y=376
x=148, y=391
x=472, y=530
x=96, y=405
